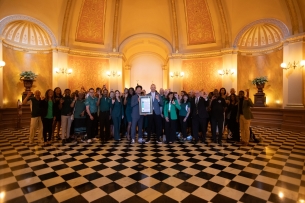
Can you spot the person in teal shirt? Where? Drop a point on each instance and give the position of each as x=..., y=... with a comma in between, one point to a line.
x=170, y=113
x=184, y=113
x=91, y=109
x=117, y=114
x=127, y=102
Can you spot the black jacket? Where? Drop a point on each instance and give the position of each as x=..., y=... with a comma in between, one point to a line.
x=201, y=106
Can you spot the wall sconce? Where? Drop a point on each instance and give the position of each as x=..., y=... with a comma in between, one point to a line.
x=293, y=65
x=114, y=73
x=2, y=64
x=176, y=74
x=63, y=70
x=225, y=72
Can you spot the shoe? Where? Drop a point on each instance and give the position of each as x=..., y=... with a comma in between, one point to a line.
x=83, y=141
x=219, y=142
x=202, y=141
x=132, y=141
x=245, y=143
x=159, y=141
x=145, y=133
x=75, y=142
x=63, y=142
x=195, y=141
x=89, y=141
x=147, y=141
x=239, y=143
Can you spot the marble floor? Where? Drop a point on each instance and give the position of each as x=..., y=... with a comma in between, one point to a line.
x=271, y=171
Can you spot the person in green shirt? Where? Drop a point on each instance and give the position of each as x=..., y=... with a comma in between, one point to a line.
x=184, y=113
x=48, y=116
x=117, y=114
x=91, y=109
x=36, y=122
x=170, y=114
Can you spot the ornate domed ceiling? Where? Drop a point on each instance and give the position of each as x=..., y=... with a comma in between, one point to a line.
x=261, y=35
x=26, y=34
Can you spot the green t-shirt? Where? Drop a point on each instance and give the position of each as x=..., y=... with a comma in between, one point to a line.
x=66, y=108
x=35, y=107
x=105, y=104
x=184, y=107
x=50, y=109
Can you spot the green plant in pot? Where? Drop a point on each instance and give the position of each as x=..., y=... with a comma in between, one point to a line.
x=260, y=83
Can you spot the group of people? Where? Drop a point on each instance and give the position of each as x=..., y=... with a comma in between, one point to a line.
x=97, y=113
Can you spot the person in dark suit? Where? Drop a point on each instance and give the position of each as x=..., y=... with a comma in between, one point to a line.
x=117, y=114
x=136, y=118
x=218, y=107
x=155, y=118
x=200, y=115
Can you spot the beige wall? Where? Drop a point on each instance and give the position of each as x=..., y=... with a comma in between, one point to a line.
x=249, y=67
x=18, y=61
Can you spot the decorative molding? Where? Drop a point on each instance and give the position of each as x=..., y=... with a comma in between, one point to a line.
x=295, y=38
x=224, y=23
x=65, y=23
x=8, y=19
x=199, y=24
x=174, y=15
x=115, y=25
x=91, y=22
x=284, y=29
x=293, y=16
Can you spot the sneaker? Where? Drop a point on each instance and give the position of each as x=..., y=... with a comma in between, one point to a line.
x=89, y=141
x=75, y=142
x=145, y=133
x=95, y=139
x=140, y=140
x=132, y=141
x=159, y=141
x=147, y=141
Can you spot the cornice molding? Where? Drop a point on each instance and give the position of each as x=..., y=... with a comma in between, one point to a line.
x=24, y=48
x=295, y=38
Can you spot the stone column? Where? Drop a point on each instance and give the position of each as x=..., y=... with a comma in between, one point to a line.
x=293, y=51
x=1, y=75
x=116, y=65
x=175, y=67
x=230, y=63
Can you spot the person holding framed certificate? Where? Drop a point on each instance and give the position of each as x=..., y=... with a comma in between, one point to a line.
x=170, y=113
x=136, y=117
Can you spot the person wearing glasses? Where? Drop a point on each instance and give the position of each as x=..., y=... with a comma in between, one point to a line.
x=91, y=109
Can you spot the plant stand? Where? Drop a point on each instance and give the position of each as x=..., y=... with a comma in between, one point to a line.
x=27, y=85
x=259, y=97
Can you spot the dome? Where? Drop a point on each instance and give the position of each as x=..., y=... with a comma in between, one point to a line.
x=26, y=34
x=260, y=35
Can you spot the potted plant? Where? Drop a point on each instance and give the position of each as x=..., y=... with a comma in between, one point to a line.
x=28, y=78
x=260, y=83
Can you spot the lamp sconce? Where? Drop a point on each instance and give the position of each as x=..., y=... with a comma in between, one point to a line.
x=226, y=72
x=2, y=64
x=294, y=65
x=66, y=71
x=114, y=73
x=176, y=74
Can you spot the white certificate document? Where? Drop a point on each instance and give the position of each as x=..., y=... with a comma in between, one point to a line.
x=146, y=105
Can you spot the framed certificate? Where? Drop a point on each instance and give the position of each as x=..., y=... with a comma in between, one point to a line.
x=145, y=105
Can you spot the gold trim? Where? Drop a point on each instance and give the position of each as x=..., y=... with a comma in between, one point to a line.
x=115, y=24
x=24, y=48
x=65, y=23
x=175, y=25
x=104, y=21
x=224, y=23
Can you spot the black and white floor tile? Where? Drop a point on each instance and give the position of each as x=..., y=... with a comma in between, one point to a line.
x=271, y=171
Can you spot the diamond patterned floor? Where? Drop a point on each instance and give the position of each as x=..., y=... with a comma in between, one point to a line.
x=271, y=171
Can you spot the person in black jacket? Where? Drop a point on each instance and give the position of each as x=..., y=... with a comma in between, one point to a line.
x=48, y=112
x=200, y=115
x=218, y=107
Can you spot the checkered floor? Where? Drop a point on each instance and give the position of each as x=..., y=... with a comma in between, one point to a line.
x=272, y=171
